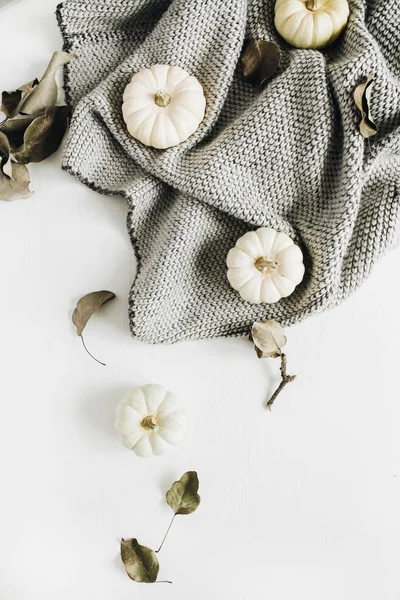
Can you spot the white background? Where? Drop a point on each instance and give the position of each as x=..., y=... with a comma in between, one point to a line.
x=299, y=503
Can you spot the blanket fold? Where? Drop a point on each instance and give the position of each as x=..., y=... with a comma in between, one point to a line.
x=290, y=157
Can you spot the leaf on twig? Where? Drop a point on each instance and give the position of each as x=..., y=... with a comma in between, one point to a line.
x=17, y=186
x=183, y=495
x=45, y=93
x=11, y=101
x=268, y=338
x=5, y=158
x=85, y=308
x=362, y=98
x=141, y=563
x=44, y=135
x=260, y=61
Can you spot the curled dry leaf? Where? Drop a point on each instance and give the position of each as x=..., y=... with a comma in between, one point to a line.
x=15, y=129
x=44, y=95
x=362, y=98
x=17, y=186
x=268, y=338
x=85, y=308
x=183, y=495
x=5, y=158
x=11, y=101
x=44, y=135
x=141, y=563
x=260, y=61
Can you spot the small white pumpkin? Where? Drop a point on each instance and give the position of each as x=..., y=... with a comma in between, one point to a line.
x=265, y=266
x=163, y=106
x=311, y=23
x=148, y=419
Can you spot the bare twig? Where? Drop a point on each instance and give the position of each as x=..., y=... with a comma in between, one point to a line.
x=285, y=380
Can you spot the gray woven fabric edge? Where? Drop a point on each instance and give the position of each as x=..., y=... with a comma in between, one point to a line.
x=291, y=158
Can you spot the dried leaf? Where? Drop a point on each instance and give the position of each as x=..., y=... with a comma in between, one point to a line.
x=362, y=98
x=85, y=308
x=182, y=497
x=45, y=93
x=141, y=563
x=268, y=338
x=44, y=135
x=260, y=61
x=17, y=186
x=15, y=129
x=11, y=101
x=5, y=158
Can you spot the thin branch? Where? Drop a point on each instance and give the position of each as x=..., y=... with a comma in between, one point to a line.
x=90, y=354
x=165, y=536
x=285, y=380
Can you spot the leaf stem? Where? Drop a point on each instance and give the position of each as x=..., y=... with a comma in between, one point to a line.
x=90, y=354
x=285, y=380
x=163, y=581
x=3, y=122
x=165, y=536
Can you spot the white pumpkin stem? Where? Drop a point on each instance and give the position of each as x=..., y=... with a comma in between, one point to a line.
x=149, y=423
x=264, y=265
x=313, y=4
x=165, y=536
x=285, y=380
x=162, y=98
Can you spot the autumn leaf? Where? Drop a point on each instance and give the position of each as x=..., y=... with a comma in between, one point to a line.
x=15, y=129
x=11, y=101
x=44, y=95
x=260, y=61
x=44, y=135
x=183, y=495
x=16, y=186
x=5, y=158
x=362, y=99
x=141, y=563
x=268, y=338
x=85, y=308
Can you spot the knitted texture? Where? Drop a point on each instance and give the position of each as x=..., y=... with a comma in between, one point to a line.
x=290, y=157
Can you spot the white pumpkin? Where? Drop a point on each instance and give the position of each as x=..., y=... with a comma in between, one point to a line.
x=148, y=419
x=163, y=106
x=311, y=23
x=265, y=266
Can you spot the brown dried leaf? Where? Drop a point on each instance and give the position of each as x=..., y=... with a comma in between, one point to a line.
x=15, y=129
x=45, y=93
x=141, y=563
x=44, y=135
x=362, y=98
x=11, y=101
x=5, y=158
x=87, y=306
x=17, y=186
x=268, y=338
x=260, y=61
x=183, y=495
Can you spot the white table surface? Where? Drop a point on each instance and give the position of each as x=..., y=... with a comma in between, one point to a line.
x=299, y=503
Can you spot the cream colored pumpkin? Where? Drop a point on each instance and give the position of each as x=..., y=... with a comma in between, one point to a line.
x=163, y=106
x=148, y=419
x=265, y=266
x=311, y=23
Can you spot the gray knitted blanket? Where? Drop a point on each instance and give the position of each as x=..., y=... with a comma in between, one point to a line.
x=291, y=157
